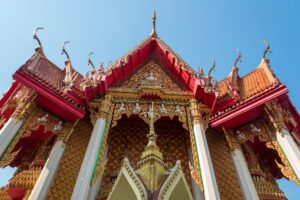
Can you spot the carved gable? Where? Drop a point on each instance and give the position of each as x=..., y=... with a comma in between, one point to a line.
x=151, y=75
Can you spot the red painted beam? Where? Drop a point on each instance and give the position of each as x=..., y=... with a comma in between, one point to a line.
x=280, y=90
x=42, y=90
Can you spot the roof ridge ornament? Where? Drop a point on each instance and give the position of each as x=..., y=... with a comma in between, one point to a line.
x=153, y=33
x=63, y=50
x=35, y=37
x=239, y=58
x=213, y=67
x=90, y=61
x=268, y=49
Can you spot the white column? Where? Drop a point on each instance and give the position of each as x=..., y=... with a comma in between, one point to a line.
x=211, y=191
x=244, y=176
x=82, y=186
x=8, y=132
x=290, y=149
x=45, y=179
x=94, y=190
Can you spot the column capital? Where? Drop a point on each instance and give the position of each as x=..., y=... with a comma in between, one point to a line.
x=195, y=112
x=277, y=115
x=231, y=139
x=26, y=103
x=100, y=109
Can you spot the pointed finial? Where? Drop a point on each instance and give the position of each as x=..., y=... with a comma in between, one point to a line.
x=36, y=37
x=268, y=49
x=239, y=58
x=212, y=67
x=63, y=50
x=90, y=61
x=101, y=68
x=152, y=136
x=201, y=72
x=153, y=33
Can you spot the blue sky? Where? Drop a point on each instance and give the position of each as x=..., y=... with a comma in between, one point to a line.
x=197, y=30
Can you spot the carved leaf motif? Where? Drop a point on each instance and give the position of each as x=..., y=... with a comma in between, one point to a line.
x=151, y=75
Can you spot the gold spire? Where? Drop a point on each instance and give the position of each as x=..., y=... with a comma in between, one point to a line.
x=268, y=49
x=151, y=166
x=153, y=33
x=36, y=37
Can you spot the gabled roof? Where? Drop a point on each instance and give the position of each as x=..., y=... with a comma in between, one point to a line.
x=255, y=88
x=131, y=61
x=46, y=78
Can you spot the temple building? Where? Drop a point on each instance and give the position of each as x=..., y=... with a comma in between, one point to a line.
x=146, y=127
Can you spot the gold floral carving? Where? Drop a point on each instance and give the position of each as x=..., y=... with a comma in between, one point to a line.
x=36, y=118
x=99, y=108
x=285, y=167
x=272, y=143
x=195, y=169
x=276, y=114
x=264, y=181
x=231, y=139
x=128, y=108
x=25, y=104
x=67, y=130
x=152, y=75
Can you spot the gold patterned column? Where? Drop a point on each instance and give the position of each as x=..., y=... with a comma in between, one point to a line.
x=99, y=114
x=14, y=127
x=242, y=171
x=210, y=186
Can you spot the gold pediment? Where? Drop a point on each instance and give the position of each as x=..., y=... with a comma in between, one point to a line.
x=152, y=76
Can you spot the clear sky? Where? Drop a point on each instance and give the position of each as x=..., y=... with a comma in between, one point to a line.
x=196, y=30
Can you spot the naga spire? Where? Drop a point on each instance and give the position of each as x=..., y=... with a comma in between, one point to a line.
x=234, y=76
x=268, y=49
x=90, y=61
x=71, y=74
x=238, y=59
x=63, y=50
x=153, y=33
x=35, y=37
x=152, y=168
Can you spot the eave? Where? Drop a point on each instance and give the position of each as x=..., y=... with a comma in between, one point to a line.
x=50, y=100
x=247, y=111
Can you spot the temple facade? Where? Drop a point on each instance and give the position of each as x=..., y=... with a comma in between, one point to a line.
x=147, y=127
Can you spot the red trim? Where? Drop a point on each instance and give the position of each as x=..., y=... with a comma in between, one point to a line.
x=7, y=95
x=280, y=90
x=50, y=95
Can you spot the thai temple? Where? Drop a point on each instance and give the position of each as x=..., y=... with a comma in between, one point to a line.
x=146, y=127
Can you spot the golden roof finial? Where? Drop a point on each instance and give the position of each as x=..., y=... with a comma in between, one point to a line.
x=63, y=50
x=268, y=49
x=212, y=68
x=239, y=58
x=36, y=37
x=151, y=166
x=90, y=61
x=152, y=136
x=153, y=33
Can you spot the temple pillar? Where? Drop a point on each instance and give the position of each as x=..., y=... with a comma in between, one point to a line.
x=278, y=117
x=12, y=126
x=45, y=179
x=8, y=132
x=95, y=187
x=211, y=191
x=242, y=170
x=290, y=149
x=83, y=183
